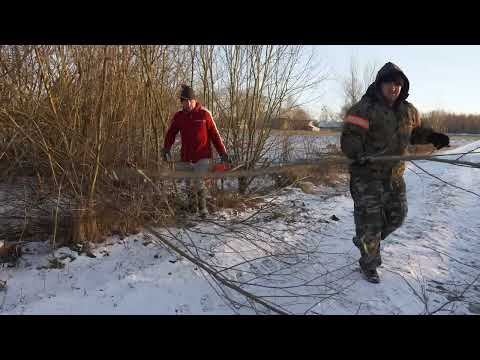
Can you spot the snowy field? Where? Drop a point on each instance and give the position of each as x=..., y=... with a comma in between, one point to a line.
x=294, y=251
x=303, y=147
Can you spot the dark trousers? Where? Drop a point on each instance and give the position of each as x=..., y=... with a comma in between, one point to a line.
x=380, y=207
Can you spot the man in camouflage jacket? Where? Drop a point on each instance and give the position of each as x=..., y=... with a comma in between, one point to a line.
x=381, y=123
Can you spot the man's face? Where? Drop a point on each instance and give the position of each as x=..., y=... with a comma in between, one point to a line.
x=391, y=91
x=188, y=105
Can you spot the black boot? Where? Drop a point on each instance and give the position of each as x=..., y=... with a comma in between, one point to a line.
x=370, y=274
x=368, y=261
x=371, y=256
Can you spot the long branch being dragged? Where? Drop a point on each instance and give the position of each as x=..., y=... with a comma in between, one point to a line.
x=215, y=275
x=300, y=164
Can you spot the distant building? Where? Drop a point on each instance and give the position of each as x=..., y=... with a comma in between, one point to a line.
x=330, y=124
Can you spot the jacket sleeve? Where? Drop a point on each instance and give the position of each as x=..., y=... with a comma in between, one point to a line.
x=420, y=134
x=354, y=133
x=171, y=133
x=214, y=135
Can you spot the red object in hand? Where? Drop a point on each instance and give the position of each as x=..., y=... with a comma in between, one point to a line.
x=220, y=167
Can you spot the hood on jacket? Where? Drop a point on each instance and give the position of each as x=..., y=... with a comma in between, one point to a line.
x=388, y=69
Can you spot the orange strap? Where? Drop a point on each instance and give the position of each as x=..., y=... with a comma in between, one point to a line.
x=352, y=119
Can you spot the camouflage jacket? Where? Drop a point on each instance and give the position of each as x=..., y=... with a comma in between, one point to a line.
x=371, y=127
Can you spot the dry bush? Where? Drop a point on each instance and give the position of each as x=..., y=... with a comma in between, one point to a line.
x=78, y=115
x=10, y=252
x=328, y=174
x=74, y=118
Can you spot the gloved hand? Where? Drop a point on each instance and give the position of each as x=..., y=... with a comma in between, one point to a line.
x=166, y=155
x=439, y=140
x=225, y=158
x=361, y=160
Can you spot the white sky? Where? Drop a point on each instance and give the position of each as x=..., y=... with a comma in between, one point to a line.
x=441, y=76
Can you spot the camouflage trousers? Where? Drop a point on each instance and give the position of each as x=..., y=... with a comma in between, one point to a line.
x=380, y=207
x=195, y=188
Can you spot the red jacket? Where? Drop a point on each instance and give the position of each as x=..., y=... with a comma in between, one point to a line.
x=197, y=130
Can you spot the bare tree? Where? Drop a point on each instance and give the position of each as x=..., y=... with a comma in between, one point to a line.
x=77, y=116
x=249, y=86
x=451, y=122
x=356, y=83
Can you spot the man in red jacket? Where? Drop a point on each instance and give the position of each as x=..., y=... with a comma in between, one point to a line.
x=197, y=130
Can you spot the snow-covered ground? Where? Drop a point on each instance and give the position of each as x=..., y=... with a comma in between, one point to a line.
x=295, y=253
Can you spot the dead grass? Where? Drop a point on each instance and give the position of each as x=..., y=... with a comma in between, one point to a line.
x=331, y=175
x=72, y=115
x=10, y=252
